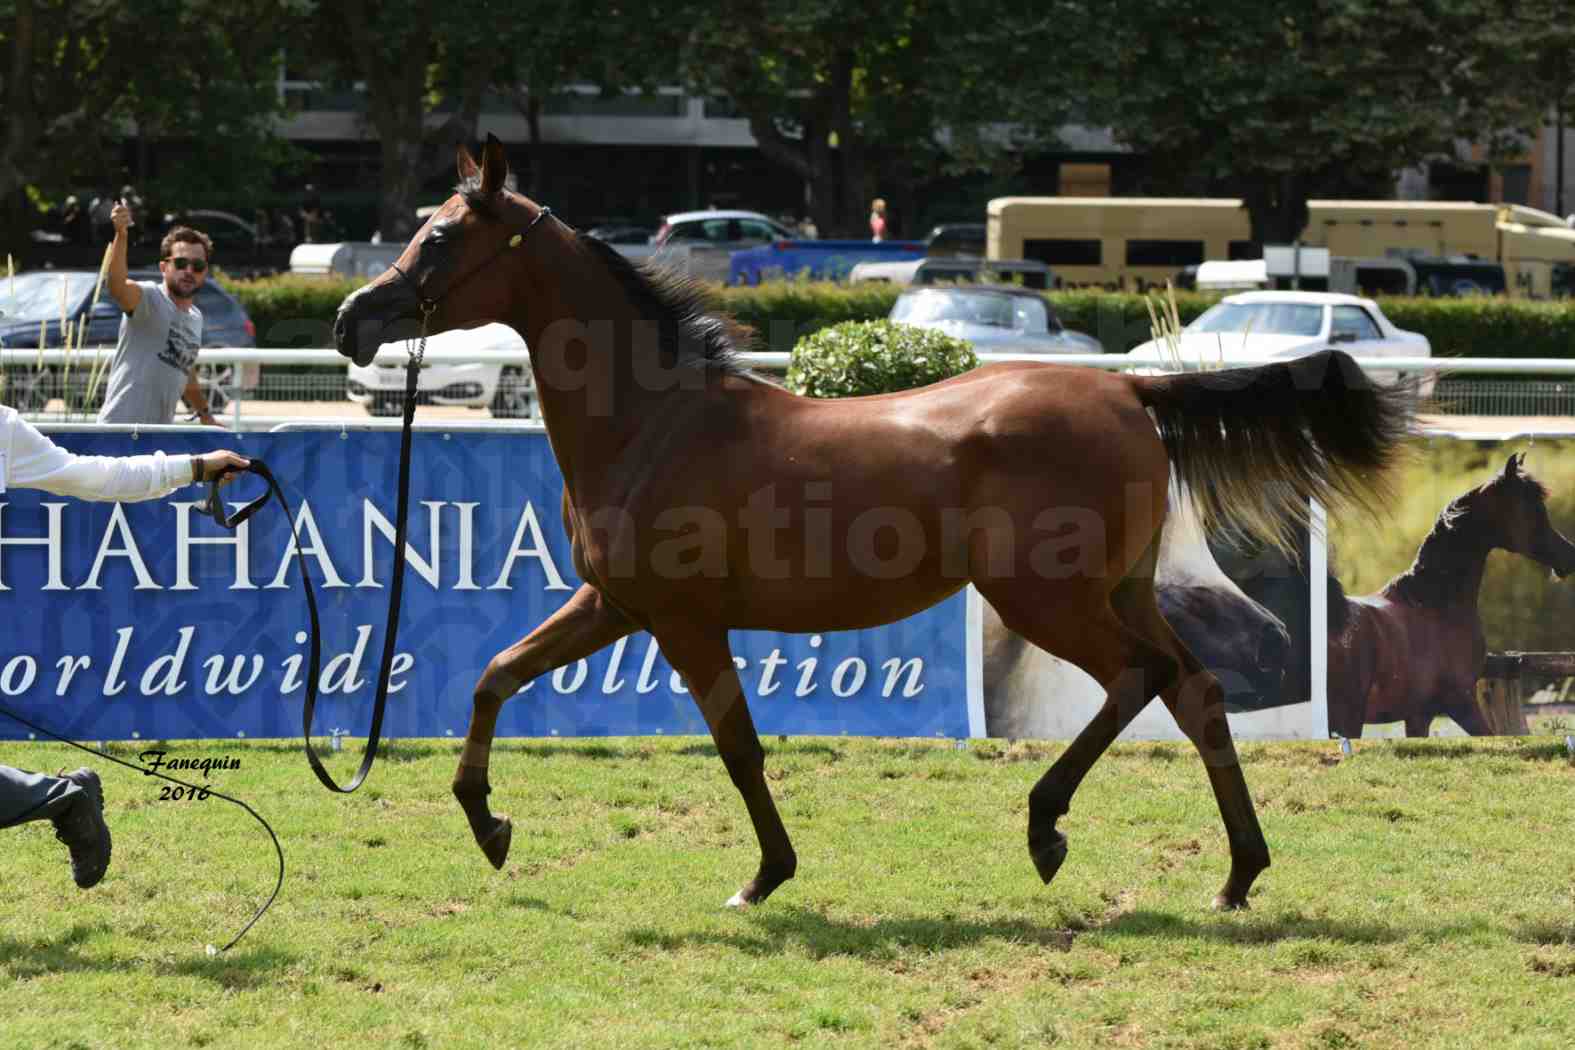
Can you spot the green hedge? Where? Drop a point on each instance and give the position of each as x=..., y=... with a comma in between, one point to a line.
x=783, y=312
x=291, y=310
x=1489, y=327
x=299, y=311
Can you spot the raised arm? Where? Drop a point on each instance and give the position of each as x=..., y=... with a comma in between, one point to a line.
x=121, y=287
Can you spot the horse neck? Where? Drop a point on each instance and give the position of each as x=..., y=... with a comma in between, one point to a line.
x=590, y=397
x=1449, y=564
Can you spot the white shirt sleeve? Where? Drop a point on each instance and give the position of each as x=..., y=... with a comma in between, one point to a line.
x=34, y=461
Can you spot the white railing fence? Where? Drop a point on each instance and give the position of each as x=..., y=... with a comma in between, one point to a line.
x=258, y=387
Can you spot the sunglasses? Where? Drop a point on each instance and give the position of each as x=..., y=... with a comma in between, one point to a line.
x=180, y=263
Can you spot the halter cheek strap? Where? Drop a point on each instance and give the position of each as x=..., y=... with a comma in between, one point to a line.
x=430, y=304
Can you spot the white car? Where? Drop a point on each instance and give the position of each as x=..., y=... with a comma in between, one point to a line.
x=1255, y=327
x=701, y=243
x=508, y=390
x=735, y=229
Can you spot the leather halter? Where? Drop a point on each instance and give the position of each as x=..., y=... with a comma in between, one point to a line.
x=428, y=305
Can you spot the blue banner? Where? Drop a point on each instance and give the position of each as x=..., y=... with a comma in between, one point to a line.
x=147, y=620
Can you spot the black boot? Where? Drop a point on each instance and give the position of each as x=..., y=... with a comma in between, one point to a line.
x=81, y=827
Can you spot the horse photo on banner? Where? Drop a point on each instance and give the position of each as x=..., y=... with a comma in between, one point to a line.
x=1453, y=618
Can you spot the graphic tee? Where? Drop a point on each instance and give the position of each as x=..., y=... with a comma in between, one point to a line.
x=157, y=349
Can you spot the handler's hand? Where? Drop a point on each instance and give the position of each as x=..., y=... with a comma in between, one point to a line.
x=210, y=464
x=120, y=216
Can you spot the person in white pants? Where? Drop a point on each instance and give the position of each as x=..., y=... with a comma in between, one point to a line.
x=74, y=801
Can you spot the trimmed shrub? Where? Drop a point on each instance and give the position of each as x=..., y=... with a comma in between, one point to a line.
x=874, y=357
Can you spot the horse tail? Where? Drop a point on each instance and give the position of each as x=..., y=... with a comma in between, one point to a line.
x=1255, y=444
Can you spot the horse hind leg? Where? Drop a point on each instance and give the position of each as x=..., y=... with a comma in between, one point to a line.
x=1197, y=702
x=1129, y=668
x=584, y=624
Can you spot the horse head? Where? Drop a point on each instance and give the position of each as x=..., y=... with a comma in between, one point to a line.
x=453, y=272
x=1512, y=509
x=1245, y=645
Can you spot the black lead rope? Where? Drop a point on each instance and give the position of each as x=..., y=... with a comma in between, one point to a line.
x=215, y=509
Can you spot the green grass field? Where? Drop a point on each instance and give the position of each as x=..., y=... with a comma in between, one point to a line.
x=1422, y=895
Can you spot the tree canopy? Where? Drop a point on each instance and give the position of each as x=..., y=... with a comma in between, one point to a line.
x=1278, y=103
x=75, y=78
x=1275, y=103
x=858, y=100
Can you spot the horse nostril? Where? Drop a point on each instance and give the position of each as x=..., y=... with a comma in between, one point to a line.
x=1274, y=645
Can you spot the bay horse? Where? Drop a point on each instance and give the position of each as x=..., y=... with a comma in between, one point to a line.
x=1415, y=649
x=700, y=497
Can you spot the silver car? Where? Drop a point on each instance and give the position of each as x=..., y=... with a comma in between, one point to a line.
x=996, y=320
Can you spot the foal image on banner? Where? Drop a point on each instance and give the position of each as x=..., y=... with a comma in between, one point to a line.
x=1470, y=567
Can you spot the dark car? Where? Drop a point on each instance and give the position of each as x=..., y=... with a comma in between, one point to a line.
x=31, y=302
x=1457, y=277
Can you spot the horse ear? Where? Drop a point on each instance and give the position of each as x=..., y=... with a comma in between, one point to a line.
x=494, y=165
x=466, y=163
x=1512, y=465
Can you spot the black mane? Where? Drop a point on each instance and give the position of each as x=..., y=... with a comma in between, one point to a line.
x=690, y=334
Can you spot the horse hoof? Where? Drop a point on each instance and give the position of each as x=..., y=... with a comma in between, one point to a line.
x=1226, y=902
x=496, y=845
x=1048, y=856
x=738, y=901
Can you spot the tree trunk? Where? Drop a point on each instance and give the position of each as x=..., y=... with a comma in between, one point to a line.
x=854, y=194
x=1277, y=208
x=18, y=115
x=811, y=159
x=822, y=180
x=538, y=152
x=399, y=187
x=528, y=104
x=397, y=105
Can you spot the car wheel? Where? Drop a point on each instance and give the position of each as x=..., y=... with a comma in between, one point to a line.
x=216, y=381
x=386, y=405
x=516, y=394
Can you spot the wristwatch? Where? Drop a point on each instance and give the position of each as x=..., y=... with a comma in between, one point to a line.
x=196, y=470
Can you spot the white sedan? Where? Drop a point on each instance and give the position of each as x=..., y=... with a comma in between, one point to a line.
x=1254, y=327
x=509, y=391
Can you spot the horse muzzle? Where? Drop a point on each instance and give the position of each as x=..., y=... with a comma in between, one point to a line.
x=374, y=315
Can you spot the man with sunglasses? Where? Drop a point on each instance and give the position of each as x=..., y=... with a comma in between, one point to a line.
x=155, y=359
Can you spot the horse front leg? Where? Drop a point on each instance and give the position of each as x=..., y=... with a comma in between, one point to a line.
x=583, y=625
x=702, y=656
